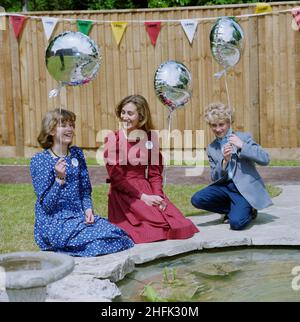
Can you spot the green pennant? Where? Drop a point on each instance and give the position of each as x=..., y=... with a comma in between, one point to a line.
x=84, y=26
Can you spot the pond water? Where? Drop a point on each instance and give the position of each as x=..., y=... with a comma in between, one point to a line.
x=247, y=274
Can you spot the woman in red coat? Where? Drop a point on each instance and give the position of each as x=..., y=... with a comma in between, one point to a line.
x=136, y=201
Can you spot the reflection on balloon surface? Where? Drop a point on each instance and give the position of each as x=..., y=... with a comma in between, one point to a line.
x=227, y=42
x=173, y=84
x=73, y=58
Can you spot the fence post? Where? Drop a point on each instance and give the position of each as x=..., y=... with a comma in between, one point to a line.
x=17, y=95
x=254, y=89
x=2, y=20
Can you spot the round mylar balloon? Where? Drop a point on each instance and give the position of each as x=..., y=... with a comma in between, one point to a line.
x=173, y=84
x=72, y=58
x=227, y=42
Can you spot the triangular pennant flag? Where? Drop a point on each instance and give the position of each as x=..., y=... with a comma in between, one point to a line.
x=296, y=15
x=118, y=29
x=153, y=29
x=84, y=26
x=263, y=7
x=49, y=25
x=17, y=23
x=189, y=27
x=296, y=19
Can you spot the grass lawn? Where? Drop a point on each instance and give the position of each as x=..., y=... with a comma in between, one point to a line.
x=93, y=161
x=17, y=211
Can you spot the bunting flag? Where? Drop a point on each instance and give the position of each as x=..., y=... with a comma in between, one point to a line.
x=17, y=23
x=189, y=26
x=153, y=29
x=263, y=7
x=49, y=25
x=296, y=15
x=296, y=19
x=84, y=26
x=118, y=29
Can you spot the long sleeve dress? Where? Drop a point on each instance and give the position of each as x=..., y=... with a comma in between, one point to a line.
x=60, y=210
x=129, y=181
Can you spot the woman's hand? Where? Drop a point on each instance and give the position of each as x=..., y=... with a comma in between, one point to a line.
x=151, y=200
x=89, y=216
x=235, y=140
x=60, y=168
x=227, y=152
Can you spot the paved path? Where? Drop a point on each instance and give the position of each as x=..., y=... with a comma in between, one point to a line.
x=98, y=174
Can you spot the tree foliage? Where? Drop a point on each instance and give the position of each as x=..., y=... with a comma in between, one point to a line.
x=52, y=5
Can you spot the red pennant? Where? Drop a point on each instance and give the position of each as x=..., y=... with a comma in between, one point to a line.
x=153, y=29
x=17, y=23
x=296, y=15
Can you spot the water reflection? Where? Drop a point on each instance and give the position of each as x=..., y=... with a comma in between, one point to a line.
x=232, y=275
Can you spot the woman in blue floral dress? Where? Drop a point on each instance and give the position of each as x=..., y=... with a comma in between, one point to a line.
x=65, y=221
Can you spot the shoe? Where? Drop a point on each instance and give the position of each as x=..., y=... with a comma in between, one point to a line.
x=254, y=213
x=226, y=219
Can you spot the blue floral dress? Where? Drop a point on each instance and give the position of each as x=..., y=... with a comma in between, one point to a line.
x=60, y=210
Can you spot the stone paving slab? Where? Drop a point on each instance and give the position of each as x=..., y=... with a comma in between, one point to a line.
x=278, y=225
x=274, y=226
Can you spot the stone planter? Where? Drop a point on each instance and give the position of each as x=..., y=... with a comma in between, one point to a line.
x=27, y=274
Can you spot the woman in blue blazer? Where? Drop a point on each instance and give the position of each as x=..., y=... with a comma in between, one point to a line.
x=237, y=189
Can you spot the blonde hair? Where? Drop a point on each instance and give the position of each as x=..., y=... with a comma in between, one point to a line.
x=218, y=112
x=142, y=107
x=49, y=123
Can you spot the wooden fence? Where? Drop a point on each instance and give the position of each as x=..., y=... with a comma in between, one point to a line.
x=264, y=87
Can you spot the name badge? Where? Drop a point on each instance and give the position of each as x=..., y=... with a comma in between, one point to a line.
x=149, y=145
x=74, y=162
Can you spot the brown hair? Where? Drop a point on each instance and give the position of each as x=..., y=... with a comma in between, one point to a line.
x=142, y=106
x=49, y=123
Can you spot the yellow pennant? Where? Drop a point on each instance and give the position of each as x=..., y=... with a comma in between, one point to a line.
x=118, y=29
x=263, y=7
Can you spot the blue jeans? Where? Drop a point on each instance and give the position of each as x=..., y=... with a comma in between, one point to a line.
x=225, y=199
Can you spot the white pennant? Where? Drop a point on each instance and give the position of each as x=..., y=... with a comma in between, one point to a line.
x=189, y=27
x=49, y=25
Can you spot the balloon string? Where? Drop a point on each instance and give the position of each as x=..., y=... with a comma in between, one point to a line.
x=60, y=134
x=220, y=74
x=56, y=91
x=168, y=140
x=53, y=93
x=227, y=92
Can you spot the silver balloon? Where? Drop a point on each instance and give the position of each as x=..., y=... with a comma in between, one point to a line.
x=173, y=84
x=72, y=58
x=227, y=42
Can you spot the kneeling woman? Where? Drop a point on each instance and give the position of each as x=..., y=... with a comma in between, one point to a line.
x=136, y=200
x=65, y=221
